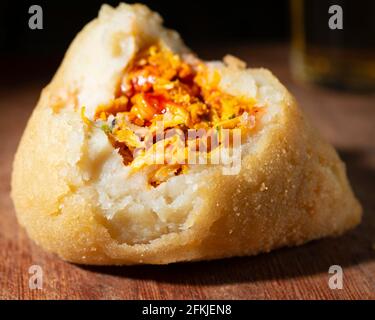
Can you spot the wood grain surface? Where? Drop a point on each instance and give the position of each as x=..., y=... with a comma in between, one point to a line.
x=345, y=119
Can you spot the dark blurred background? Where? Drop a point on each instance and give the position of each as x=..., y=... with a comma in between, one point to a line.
x=197, y=21
x=341, y=58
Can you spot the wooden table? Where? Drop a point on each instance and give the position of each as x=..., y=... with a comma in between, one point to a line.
x=347, y=120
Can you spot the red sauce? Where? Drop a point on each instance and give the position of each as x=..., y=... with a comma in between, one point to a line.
x=157, y=102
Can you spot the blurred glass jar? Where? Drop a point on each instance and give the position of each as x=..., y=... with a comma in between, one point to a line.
x=342, y=58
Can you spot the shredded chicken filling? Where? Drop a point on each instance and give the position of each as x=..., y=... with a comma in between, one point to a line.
x=162, y=91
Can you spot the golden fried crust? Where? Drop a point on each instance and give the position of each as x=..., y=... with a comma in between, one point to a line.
x=292, y=190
